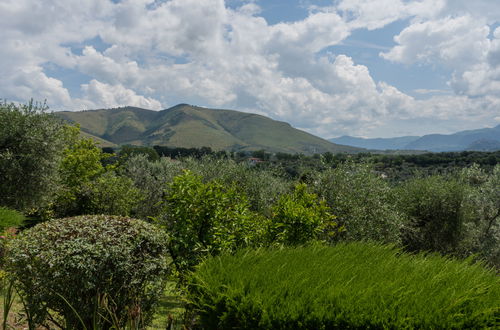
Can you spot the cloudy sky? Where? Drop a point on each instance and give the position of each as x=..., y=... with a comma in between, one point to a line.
x=373, y=68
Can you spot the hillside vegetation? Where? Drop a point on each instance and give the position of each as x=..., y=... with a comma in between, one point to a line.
x=189, y=126
x=91, y=237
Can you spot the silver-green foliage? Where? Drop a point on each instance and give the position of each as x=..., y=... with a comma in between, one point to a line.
x=262, y=187
x=362, y=202
x=347, y=286
x=436, y=207
x=150, y=177
x=31, y=146
x=72, y=264
x=481, y=231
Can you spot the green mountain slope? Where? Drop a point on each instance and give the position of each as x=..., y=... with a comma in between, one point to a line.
x=190, y=126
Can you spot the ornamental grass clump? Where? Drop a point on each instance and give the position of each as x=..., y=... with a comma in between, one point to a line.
x=346, y=286
x=89, y=271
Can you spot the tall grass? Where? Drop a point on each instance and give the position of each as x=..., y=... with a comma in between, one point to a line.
x=351, y=285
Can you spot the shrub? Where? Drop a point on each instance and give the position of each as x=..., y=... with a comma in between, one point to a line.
x=362, y=202
x=80, y=164
x=205, y=218
x=299, y=217
x=150, y=178
x=481, y=230
x=70, y=266
x=435, y=206
x=110, y=194
x=347, y=286
x=261, y=186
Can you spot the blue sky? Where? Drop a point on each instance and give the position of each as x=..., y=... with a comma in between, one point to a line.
x=371, y=68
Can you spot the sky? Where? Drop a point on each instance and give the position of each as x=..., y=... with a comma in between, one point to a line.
x=369, y=68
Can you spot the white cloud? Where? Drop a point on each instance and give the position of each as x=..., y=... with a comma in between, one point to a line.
x=202, y=52
x=98, y=95
x=447, y=41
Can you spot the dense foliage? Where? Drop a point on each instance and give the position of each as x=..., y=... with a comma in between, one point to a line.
x=362, y=202
x=300, y=217
x=205, y=218
x=347, y=286
x=72, y=266
x=211, y=203
x=31, y=144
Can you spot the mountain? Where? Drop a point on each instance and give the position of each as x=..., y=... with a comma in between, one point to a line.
x=479, y=139
x=378, y=144
x=190, y=126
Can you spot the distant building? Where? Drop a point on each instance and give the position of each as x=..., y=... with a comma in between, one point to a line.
x=254, y=160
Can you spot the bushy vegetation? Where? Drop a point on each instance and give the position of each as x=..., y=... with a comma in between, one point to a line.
x=437, y=211
x=300, y=217
x=347, y=286
x=362, y=202
x=87, y=267
x=31, y=144
x=205, y=218
x=262, y=187
x=208, y=203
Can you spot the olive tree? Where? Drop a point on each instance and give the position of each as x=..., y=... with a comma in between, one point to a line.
x=31, y=145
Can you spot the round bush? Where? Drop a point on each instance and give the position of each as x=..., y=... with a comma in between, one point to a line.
x=87, y=266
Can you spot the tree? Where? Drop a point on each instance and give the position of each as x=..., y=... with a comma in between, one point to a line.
x=362, y=202
x=203, y=219
x=81, y=162
x=31, y=146
x=436, y=207
x=299, y=217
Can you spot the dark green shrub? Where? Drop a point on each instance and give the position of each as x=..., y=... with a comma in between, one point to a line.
x=70, y=266
x=299, y=217
x=205, y=218
x=437, y=211
x=347, y=286
x=110, y=194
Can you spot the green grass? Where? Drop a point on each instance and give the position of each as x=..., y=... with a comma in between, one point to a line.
x=10, y=218
x=171, y=309
x=355, y=285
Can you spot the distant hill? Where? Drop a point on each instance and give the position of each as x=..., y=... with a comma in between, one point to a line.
x=190, y=126
x=398, y=143
x=485, y=139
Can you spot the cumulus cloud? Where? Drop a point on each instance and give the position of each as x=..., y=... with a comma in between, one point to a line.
x=202, y=52
x=448, y=41
x=98, y=94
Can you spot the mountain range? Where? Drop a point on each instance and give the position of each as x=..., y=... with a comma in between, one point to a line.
x=190, y=126
x=485, y=139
